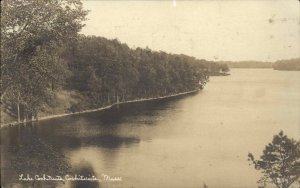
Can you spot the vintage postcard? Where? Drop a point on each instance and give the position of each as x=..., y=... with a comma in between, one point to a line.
x=150, y=94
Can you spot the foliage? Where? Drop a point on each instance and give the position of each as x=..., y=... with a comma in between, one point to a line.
x=291, y=64
x=107, y=70
x=42, y=52
x=224, y=68
x=31, y=35
x=280, y=162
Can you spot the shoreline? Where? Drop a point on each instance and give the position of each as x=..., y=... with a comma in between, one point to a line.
x=98, y=109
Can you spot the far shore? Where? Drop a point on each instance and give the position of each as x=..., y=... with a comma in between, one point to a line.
x=98, y=109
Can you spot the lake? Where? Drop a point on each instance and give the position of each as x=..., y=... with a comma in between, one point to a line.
x=182, y=142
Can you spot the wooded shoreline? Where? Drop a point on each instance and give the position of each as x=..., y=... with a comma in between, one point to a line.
x=54, y=69
x=99, y=109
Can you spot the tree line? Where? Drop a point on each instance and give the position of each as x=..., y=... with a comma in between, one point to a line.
x=291, y=64
x=108, y=71
x=42, y=53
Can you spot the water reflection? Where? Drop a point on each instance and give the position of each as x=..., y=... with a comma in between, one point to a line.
x=170, y=143
x=40, y=148
x=111, y=141
x=24, y=152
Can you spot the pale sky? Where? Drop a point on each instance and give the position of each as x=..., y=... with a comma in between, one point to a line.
x=265, y=30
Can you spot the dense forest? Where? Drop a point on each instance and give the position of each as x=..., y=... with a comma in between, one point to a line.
x=291, y=64
x=106, y=71
x=48, y=68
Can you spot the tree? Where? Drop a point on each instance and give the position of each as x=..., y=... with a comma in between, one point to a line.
x=290, y=64
x=32, y=33
x=224, y=68
x=107, y=71
x=280, y=162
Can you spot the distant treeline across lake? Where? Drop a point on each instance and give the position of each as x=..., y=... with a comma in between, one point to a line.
x=289, y=64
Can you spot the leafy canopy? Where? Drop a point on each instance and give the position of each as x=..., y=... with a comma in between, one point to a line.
x=32, y=33
x=280, y=162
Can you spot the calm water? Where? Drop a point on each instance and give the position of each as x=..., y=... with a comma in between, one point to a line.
x=183, y=142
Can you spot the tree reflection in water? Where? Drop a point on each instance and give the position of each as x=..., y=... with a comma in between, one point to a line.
x=25, y=153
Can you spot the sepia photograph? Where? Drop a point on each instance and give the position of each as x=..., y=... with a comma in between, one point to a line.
x=150, y=94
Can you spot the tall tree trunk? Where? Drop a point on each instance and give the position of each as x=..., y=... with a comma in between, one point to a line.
x=123, y=97
x=118, y=101
x=18, y=108
x=52, y=85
